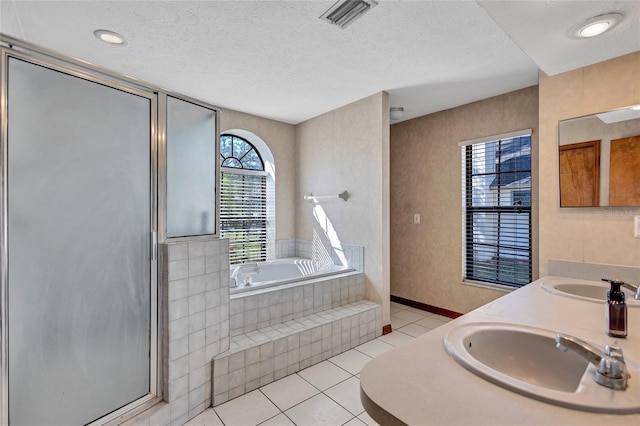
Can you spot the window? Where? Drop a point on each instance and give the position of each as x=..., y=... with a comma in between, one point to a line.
x=238, y=153
x=497, y=209
x=243, y=200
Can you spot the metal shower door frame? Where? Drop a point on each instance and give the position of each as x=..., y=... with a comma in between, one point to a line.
x=76, y=68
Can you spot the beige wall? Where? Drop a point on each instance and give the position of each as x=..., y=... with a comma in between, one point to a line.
x=426, y=178
x=280, y=138
x=591, y=235
x=348, y=149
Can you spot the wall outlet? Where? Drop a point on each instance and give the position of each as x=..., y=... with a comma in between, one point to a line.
x=416, y=218
x=636, y=226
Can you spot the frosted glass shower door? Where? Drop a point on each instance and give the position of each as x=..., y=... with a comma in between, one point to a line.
x=79, y=223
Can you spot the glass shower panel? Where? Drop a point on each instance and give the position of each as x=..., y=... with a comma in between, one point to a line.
x=191, y=169
x=79, y=209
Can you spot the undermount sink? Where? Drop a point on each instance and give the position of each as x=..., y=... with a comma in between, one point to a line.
x=591, y=292
x=525, y=360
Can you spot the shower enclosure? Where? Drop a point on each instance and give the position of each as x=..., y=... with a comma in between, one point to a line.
x=78, y=216
x=81, y=214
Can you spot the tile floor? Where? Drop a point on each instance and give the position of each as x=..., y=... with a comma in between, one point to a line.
x=327, y=393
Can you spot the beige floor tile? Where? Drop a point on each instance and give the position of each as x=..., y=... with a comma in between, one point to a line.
x=207, y=418
x=396, y=338
x=395, y=310
x=373, y=348
x=414, y=330
x=355, y=422
x=366, y=418
x=289, y=391
x=279, y=420
x=318, y=411
x=411, y=316
x=248, y=410
x=398, y=306
x=351, y=360
x=347, y=394
x=397, y=322
x=324, y=375
x=431, y=322
x=442, y=318
x=420, y=312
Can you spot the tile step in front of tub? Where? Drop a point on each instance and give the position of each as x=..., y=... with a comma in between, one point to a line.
x=268, y=354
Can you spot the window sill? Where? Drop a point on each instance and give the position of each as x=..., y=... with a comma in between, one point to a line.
x=489, y=286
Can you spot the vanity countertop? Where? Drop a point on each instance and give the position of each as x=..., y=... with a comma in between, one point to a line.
x=418, y=383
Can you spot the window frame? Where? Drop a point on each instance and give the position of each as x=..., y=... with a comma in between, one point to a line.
x=265, y=205
x=468, y=211
x=223, y=159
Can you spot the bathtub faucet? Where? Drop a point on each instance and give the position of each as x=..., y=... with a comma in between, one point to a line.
x=244, y=273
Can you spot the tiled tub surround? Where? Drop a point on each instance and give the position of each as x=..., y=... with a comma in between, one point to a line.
x=262, y=308
x=344, y=254
x=281, y=330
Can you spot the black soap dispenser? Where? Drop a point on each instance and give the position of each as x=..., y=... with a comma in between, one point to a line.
x=616, y=310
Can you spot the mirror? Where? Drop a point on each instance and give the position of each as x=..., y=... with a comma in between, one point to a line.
x=600, y=159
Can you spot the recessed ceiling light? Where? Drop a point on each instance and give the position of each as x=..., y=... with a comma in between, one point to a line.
x=110, y=37
x=598, y=24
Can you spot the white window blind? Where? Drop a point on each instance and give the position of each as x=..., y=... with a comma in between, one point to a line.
x=243, y=215
x=497, y=210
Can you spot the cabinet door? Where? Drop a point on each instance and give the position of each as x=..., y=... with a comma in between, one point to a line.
x=624, y=176
x=580, y=174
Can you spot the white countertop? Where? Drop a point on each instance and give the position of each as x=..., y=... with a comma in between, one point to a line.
x=418, y=383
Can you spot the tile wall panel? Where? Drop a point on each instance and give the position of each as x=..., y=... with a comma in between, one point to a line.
x=344, y=254
x=195, y=297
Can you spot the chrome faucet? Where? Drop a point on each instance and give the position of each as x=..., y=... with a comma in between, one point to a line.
x=611, y=368
x=634, y=288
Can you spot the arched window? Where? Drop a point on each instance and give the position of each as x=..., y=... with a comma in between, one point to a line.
x=238, y=153
x=243, y=200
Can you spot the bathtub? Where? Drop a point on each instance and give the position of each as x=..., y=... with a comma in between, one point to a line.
x=280, y=271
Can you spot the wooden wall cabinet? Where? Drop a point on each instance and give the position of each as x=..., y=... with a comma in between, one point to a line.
x=580, y=174
x=624, y=176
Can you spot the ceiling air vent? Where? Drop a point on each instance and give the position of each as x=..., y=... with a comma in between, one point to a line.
x=344, y=12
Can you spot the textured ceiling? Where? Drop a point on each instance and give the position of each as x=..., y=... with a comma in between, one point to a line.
x=545, y=30
x=276, y=59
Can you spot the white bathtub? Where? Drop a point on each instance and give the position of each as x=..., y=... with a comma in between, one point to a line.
x=280, y=271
